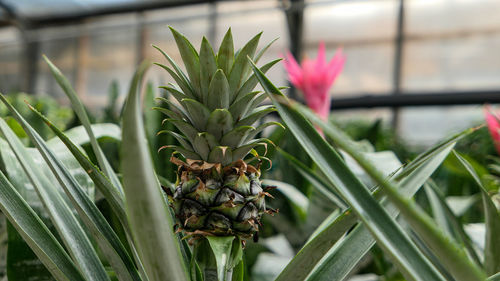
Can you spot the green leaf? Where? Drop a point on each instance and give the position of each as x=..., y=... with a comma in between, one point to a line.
x=344, y=256
x=208, y=67
x=185, y=128
x=79, y=136
x=242, y=151
x=219, y=123
x=452, y=256
x=225, y=56
x=157, y=245
x=240, y=107
x=221, y=248
x=61, y=216
x=259, y=129
x=239, y=272
x=169, y=113
x=152, y=124
x=183, y=84
x=201, y=146
x=218, y=92
x=188, y=154
x=263, y=50
x=221, y=154
x=22, y=263
x=197, y=112
x=452, y=221
x=100, y=180
x=460, y=204
x=212, y=142
x=387, y=232
x=324, y=187
x=235, y=137
x=338, y=262
x=492, y=241
x=36, y=234
x=84, y=119
x=179, y=76
x=305, y=260
x=241, y=66
x=298, y=200
x=181, y=139
x=250, y=84
x=179, y=110
x=102, y=232
x=175, y=92
x=495, y=277
x=191, y=60
x=255, y=115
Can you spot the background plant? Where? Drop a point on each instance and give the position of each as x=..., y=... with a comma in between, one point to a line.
x=365, y=200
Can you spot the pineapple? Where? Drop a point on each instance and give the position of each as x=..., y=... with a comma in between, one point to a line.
x=218, y=191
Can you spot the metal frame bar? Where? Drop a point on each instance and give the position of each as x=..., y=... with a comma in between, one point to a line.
x=410, y=99
x=398, y=59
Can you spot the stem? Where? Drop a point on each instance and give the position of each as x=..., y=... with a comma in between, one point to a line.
x=216, y=257
x=228, y=275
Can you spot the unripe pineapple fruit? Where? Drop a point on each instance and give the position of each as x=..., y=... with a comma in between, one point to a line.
x=218, y=191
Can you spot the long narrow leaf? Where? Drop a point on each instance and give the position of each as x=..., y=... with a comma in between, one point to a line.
x=344, y=256
x=100, y=180
x=452, y=256
x=102, y=232
x=339, y=261
x=314, y=179
x=84, y=119
x=148, y=213
x=60, y=214
x=387, y=232
x=492, y=240
x=36, y=234
x=454, y=223
x=495, y=277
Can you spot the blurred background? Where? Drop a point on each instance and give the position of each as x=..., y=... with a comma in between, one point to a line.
x=423, y=66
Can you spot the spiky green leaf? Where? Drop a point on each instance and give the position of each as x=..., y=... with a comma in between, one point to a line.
x=240, y=107
x=219, y=123
x=191, y=60
x=250, y=84
x=218, y=92
x=221, y=154
x=185, y=128
x=197, y=112
x=178, y=76
x=208, y=67
x=225, y=56
x=235, y=137
x=184, y=85
x=255, y=115
x=241, y=66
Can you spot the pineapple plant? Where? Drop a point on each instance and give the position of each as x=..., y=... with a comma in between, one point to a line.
x=218, y=191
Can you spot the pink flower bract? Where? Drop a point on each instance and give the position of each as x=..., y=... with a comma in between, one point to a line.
x=315, y=78
x=493, y=126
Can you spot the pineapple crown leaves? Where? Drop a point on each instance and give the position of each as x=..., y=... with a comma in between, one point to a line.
x=216, y=105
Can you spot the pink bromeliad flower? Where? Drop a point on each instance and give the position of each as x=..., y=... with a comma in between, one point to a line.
x=493, y=126
x=315, y=78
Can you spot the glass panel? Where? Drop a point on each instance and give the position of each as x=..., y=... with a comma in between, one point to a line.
x=426, y=125
x=365, y=30
x=451, y=45
x=10, y=54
